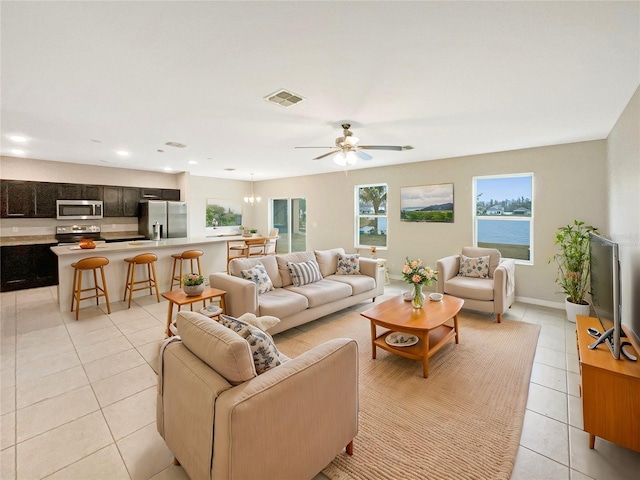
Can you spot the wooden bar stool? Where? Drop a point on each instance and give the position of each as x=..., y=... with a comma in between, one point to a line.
x=94, y=264
x=190, y=255
x=148, y=259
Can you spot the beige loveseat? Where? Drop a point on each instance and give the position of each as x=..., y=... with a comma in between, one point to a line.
x=223, y=421
x=493, y=294
x=295, y=305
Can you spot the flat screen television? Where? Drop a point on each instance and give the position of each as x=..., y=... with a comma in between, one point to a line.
x=605, y=290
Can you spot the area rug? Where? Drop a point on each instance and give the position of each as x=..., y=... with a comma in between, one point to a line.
x=462, y=422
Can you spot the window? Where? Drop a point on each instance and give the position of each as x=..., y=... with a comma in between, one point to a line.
x=371, y=215
x=503, y=215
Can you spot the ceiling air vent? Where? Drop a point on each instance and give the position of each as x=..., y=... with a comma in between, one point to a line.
x=284, y=98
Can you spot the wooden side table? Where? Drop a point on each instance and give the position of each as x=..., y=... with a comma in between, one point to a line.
x=179, y=298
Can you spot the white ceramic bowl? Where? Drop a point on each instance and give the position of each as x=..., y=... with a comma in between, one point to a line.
x=435, y=297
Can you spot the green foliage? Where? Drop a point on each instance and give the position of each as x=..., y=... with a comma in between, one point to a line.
x=426, y=216
x=574, y=260
x=191, y=279
x=225, y=217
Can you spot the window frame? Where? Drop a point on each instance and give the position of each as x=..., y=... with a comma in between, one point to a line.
x=358, y=216
x=530, y=219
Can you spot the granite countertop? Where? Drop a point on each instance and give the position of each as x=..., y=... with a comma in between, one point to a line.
x=132, y=245
x=28, y=240
x=51, y=239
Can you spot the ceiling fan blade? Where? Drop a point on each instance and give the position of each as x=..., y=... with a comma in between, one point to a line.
x=363, y=156
x=313, y=147
x=326, y=155
x=382, y=147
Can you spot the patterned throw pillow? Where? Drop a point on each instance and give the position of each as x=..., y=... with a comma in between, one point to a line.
x=477, y=267
x=304, y=272
x=264, y=351
x=258, y=275
x=348, y=264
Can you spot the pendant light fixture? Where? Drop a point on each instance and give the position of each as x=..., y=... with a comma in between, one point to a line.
x=252, y=199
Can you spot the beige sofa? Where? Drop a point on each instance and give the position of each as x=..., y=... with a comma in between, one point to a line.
x=223, y=421
x=494, y=294
x=296, y=305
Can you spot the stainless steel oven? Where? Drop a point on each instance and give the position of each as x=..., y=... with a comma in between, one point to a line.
x=79, y=209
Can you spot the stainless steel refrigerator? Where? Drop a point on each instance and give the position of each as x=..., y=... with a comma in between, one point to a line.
x=171, y=216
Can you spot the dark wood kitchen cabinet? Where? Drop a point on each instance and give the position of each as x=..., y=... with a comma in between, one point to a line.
x=121, y=201
x=170, y=194
x=92, y=192
x=28, y=266
x=112, y=201
x=69, y=191
x=130, y=201
x=78, y=191
x=17, y=199
x=45, y=202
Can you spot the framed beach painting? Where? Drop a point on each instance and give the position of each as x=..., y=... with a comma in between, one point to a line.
x=427, y=203
x=223, y=213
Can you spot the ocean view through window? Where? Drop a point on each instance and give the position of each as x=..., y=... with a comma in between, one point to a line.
x=371, y=215
x=503, y=215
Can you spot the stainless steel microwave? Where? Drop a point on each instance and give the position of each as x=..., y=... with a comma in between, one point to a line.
x=79, y=209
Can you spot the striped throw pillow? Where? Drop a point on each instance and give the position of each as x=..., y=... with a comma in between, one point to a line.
x=304, y=272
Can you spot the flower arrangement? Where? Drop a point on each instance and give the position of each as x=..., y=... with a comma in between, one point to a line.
x=191, y=279
x=416, y=273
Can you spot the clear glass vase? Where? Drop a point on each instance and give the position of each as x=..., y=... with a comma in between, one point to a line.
x=418, y=296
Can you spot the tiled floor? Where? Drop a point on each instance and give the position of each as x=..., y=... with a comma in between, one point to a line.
x=78, y=398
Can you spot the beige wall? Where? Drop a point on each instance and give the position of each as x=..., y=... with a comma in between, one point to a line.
x=623, y=154
x=569, y=183
x=12, y=168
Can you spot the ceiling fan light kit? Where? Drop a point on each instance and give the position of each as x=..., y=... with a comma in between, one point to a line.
x=347, y=149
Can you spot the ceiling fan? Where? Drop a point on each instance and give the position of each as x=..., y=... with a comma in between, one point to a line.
x=347, y=149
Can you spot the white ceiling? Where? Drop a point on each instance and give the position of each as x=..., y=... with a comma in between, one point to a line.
x=448, y=78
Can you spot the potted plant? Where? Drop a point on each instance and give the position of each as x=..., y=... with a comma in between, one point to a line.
x=573, y=262
x=253, y=231
x=193, y=284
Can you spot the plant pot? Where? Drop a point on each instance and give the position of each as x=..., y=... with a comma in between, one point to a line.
x=574, y=309
x=193, y=290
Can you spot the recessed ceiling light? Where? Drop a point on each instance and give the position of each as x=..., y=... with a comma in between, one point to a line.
x=18, y=138
x=168, y=169
x=15, y=151
x=192, y=162
x=123, y=153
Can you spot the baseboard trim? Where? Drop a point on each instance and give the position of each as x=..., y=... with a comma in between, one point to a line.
x=542, y=303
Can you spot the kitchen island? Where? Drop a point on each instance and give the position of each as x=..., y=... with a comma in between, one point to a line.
x=213, y=260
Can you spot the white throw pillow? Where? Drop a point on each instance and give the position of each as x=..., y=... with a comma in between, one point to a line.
x=264, y=323
x=258, y=275
x=304, y=273
x=476, y=267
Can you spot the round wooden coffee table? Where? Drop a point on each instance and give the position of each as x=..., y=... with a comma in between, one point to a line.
x=427, y=323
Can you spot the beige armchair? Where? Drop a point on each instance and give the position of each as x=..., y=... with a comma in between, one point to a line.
x=222, y=421
x=492, y=295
